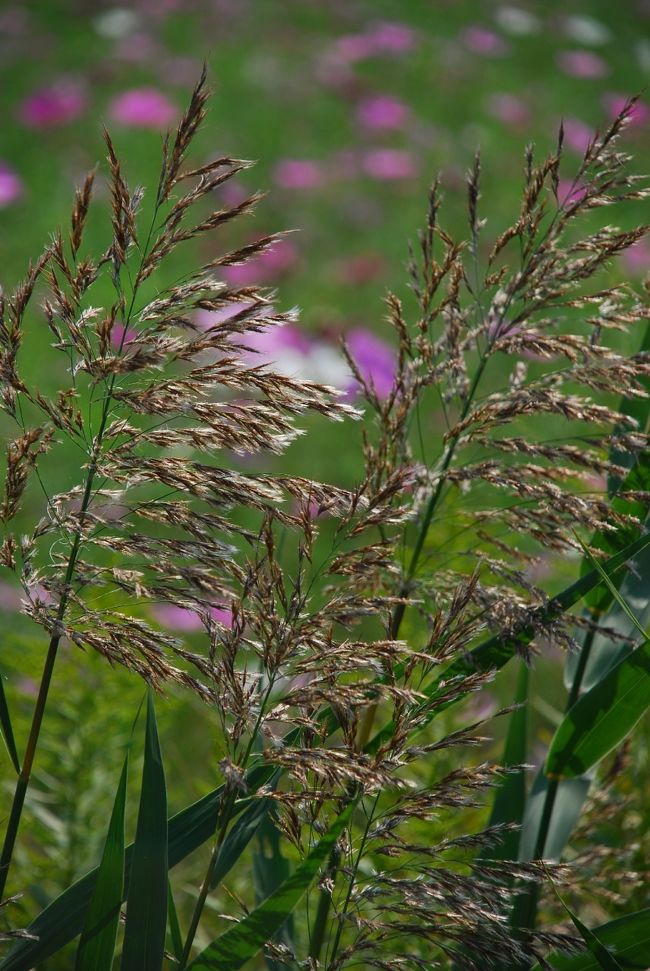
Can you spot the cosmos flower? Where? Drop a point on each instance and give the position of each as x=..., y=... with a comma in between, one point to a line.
x=56, y=104
x=143, y=108
x=11, y=185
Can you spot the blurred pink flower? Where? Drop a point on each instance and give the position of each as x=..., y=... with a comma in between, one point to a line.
x=636, y=259
x=59, y=103
x=264, y=268
x=362, y=268
x=296, y=173
x=117, y=333
x=577, y=134
x=143, y=108
x=270, y=344
x=136, y=47
x=481, y=40
x=352, y=47
x=10, y=597
x=509, y=109
x=212, y=318
x=375, y=359
x=11, y=185
x=391, y=37
x=186, y=620
x=389, y=164
x=639, y=115
x=382, y=113
x=582, y=64
x=567, y=192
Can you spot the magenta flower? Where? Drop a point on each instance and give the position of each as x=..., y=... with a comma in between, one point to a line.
x=143, y=108
x=582, y=64
x=119, y=338
x=351, y=48
x=390, y=37
x=57, y=104
x=389, y=164
x=293, y=173
x=11, y=185
x=375, y=359
x=639, y=115
x=636, y=259
x=485, y=42
x=186, y=620
x=509, y=109
x=568, y=193
x=266, y=267
x=577, y=135
x=382, y=113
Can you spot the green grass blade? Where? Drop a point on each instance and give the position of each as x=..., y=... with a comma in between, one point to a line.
x=604, y=957
x=243, y=941
x=602, y=717
x=97, y=943
x=63, y=919
x=7, y=730
x=175, y=934
x=628, y=938
x=146, y=903
x=569, y=800
x=510, y=796
x=238, y=838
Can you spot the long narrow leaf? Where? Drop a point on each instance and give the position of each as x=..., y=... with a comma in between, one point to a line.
x=174, y=926
x=62, y=920
x=97, y=943
x=602, y=717
x=243, y=941
x=239, y=837
x=510, y=796
x=628, y=938
x=146, y=904
x=605, y=958
x=569, y=800
x=7, y=730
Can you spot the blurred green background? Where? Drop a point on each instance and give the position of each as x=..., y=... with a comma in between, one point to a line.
x=350, y=107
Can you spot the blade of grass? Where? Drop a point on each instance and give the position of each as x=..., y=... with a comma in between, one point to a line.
x=146, y=904
x=7, y=730
x=174, y=927
x=246, y=939
x=605, y=958
x=97, y=942
x=628, y=937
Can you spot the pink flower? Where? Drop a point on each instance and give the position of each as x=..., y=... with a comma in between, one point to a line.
x=268, y=345
x=375, y=359
x=264, y=268
x=136, y=47
x=382, y=113
x=298, y=174
x=119, y=338
x=186, y=620
x=582, y=64
x=143, y=108
x=352, y=47
x=390, y=37
x=639, y=115
x=11, y=186
x=389, y=164
x=568, y=193
x=509, y=109
x=362, y=268
x=10, y=597
x=577, y=135
x=58, y=104
x=636, y=259
x=485, y=42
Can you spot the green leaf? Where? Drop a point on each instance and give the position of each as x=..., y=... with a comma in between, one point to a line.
x=243, y=941
x=7, y=730
x=569, y=799
x=174, y=926
x=270, y=869
x=146, y=902
x=628, y=937
x=63, y=919
x=602, y=717
x=604, y=957
x=239, y=836
x=510, y=796
x=97, y=943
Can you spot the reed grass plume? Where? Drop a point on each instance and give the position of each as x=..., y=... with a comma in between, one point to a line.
x=336, y=662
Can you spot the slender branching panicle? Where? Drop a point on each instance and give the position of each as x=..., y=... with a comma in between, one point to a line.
x=342, y=649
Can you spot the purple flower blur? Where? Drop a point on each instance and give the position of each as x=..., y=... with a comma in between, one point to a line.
x=582, y=64
x=57, y=104
x=296, y=173
x=11, y=186
x=375, y=359
x=389, y=164
x=143, y=108
x=382, y=113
